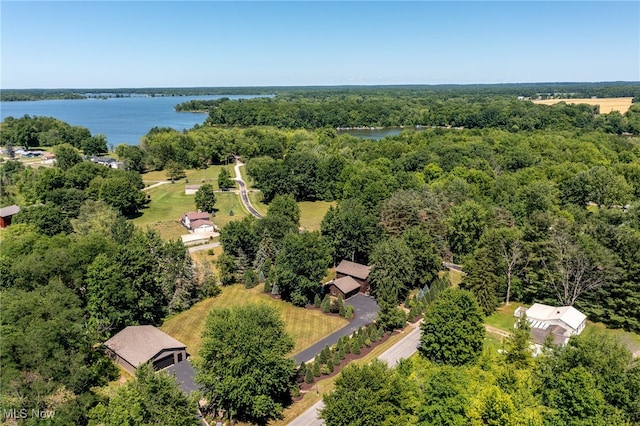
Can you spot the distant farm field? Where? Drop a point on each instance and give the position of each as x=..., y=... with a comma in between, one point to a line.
x=606, y=104
x=305, y=326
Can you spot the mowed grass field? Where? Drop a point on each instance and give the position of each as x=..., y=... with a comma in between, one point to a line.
x=169, y=203
x=305, y=326
x=606, y=104
x=194, y=176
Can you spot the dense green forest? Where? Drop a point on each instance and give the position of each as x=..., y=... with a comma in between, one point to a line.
x=575, y=90
x=411, y=110
x=545, y=212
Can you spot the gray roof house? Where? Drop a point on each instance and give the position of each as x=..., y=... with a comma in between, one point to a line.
x=139, y=344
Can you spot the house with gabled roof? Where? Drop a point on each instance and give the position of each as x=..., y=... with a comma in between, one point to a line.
x=139, y=344
x=344, y=287
x=557, y=323
x=357, y=271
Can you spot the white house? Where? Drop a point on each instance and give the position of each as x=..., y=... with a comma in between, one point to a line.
x=558, y=322
x=202, y=226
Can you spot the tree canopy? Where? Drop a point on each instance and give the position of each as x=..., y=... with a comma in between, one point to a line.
x=242, y=367
x=452, y=330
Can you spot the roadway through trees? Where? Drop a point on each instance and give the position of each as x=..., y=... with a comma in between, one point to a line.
x=244, y=196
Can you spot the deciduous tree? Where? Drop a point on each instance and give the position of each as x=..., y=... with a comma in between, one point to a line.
x=452, y=331
x=205, y=198
x=243, y=366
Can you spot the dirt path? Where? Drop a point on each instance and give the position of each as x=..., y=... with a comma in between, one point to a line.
x=155, y=185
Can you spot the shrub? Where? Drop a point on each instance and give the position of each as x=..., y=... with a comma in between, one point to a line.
x=250, y=278
x=348, y=312
x=295, y=392
x=355, y=346
x=317, y=301
x=326, y=304
x=367, y=342
x=309, y=376
x=341, y=353
x=324, y=370
x=336, y=359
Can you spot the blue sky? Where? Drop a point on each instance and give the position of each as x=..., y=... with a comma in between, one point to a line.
x=90, y=44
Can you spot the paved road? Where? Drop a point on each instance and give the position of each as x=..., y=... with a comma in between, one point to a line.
x=203, y=247
x=365, y=310
x=244, y=197
x=403, y=349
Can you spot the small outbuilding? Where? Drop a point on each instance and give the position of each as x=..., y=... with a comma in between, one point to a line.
x=6, y=214
x=357, y=271
x=140, y=344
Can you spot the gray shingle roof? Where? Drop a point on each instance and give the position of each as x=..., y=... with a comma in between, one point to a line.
x=9, y=210
x=346, y=284
x=138, y=344
x=353, y=269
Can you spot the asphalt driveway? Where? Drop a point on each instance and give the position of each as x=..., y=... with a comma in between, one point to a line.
x=365, y=310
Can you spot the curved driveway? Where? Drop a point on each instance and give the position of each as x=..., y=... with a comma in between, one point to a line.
x=403, y=349
x=365, y=310
x=244, y=197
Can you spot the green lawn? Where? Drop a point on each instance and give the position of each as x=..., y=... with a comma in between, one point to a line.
x=194, y=176
x=503, y=318
x=312, y=213
x=169, y=203
x=306, y=326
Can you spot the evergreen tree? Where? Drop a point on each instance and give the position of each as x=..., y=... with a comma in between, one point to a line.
x=326, y=304
x=518, y=350
x=317, y=301
x=316, y=369
x=309, y=376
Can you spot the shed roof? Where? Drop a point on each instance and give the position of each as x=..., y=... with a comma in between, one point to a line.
x=197, y=216
x=346, y=284
x=138, y=344
x=567, y=314
x=200, y=222
x=9, y=210
x=353, y=269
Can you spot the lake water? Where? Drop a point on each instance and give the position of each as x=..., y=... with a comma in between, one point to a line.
x=126, y=120
x=121, y=120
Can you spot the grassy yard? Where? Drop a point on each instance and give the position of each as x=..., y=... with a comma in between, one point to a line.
x=503, y=317
x=194, y=176
x=312, y=212
x=306, y=326
x=169, y=203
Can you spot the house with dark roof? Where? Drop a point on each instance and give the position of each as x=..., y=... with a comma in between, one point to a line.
x=344, y=287
x=357, y=271
x=6, y=213
x=140, y=344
